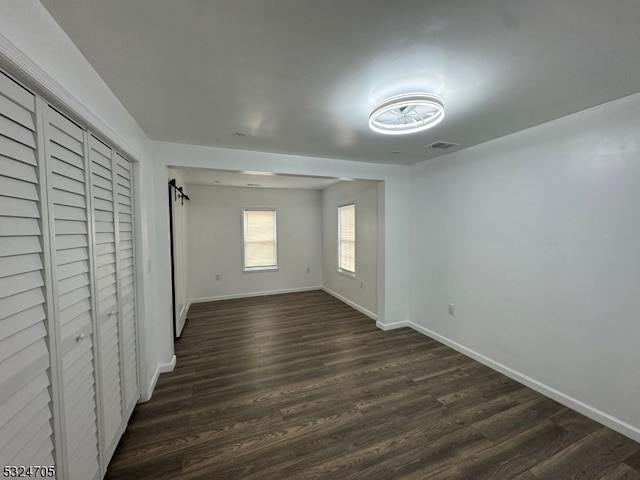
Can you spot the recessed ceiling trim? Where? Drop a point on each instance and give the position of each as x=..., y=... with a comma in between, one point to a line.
x=409, y=113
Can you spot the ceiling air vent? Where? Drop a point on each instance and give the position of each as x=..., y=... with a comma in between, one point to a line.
x=442, y=145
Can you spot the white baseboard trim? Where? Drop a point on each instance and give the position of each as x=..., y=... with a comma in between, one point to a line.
x=560, y=397
x=351, y=304
x=160, y=368
x=287, y=290
x=392, y=326
x=252, y=294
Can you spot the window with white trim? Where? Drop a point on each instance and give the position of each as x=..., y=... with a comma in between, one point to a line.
x=260, y=250
x=347, y=239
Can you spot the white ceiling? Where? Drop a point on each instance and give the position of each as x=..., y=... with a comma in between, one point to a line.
x=300, y=77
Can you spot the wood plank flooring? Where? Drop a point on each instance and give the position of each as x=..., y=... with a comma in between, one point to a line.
x=301, y=386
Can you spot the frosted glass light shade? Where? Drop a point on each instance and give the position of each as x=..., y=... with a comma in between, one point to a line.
x=405, y=114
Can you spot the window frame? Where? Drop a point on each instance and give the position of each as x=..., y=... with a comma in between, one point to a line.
x=343, y=271
x=267, y=268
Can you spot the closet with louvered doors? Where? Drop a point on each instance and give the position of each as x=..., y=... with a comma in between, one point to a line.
x=68, y=365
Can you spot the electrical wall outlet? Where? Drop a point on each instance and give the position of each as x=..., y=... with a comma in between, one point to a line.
x=217, y=277
x=308, y=270
x=452, y=309
x=362, y=284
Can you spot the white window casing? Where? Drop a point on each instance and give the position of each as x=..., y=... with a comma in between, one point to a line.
x=347, y=239
x=259, y=239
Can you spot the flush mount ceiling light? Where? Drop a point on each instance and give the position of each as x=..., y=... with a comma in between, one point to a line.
x=406, y=114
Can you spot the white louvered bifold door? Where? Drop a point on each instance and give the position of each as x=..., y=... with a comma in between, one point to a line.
x=26, y=434
x=102, y=193
x=123, y=179
x=72, y=265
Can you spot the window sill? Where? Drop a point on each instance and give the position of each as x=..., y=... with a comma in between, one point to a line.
x=259, y=269
x=347, y=273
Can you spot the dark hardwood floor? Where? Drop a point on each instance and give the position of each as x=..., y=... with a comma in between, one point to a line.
x=301, y=386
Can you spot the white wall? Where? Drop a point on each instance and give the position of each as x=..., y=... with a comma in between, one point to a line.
x=393, y=274
x=36, y=50
x=535, y=237
x=360, y=291
x=215, y=241
x=180, y=209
